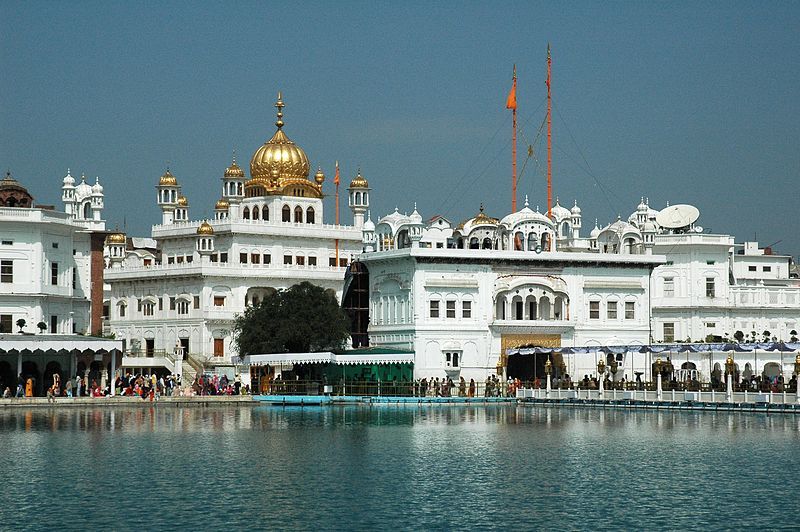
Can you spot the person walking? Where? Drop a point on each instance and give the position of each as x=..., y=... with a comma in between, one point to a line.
x=20, y=386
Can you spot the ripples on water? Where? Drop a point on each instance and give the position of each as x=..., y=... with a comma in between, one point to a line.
x=390, y=467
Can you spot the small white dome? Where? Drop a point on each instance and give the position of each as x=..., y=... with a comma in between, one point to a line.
x=369, y=225
x=416, y=217
x=97, y=188
x=558, y=212
x=69, y=181
x=575, y=209
x=595, y=232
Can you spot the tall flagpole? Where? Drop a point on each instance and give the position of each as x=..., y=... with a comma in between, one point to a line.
x=511, y=103
x=336, y=182
x=549, y=140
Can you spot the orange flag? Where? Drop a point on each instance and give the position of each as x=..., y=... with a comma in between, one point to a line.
x=511, y=101
x=336, y=176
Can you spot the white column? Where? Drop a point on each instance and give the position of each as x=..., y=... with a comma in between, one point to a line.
x=601, y=390
x=729, y=388
x=659, y=393
x=113, y=371
x=549, y=386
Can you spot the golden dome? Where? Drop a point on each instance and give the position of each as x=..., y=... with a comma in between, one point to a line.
x=182, y=201
x=167, y=180
x=205, y=229
x=279, y=153
x=222, y=205
x=359, y=181
x=234, y=170
x=115, y=238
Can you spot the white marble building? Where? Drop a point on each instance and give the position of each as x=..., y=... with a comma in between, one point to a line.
x=460, y=297
x=46, y=258
x=266, y=233
x=498, y=284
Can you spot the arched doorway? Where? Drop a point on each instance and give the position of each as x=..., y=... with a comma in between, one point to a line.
x=31, y=370
x=7, y=377
x=52, y=369
x=771, y=370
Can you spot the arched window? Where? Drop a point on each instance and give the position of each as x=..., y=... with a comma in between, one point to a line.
x=532, y=241
x=310, y=215
x=545, y=308
x=546, y=241
x=286, y=214
x=487, y=243
x=517, y=308
x=358, y=198
x=239, y=189
x=87, y=211
x=500, y=309
x=473, y=243
x=256, y=213
x=265, y=212
x=246, y=213
x=298, y=215
x=519, y=241
x=531, y=304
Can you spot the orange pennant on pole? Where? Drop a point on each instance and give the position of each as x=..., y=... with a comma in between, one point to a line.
x=336, y=176
x=511, y=101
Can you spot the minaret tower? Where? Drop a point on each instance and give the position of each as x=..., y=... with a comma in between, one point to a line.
x=575, y=213
x=168, y=192
x=97, y=200
x=68, y=194
x=359, y=198
x=368, y=237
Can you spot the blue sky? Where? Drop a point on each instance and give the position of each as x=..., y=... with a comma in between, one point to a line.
x=682, y=102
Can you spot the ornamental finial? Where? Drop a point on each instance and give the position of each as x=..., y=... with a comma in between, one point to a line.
x=280, y=105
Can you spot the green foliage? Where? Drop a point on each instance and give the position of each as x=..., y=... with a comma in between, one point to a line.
x=303, y=318
x=739, y=335
x=42, y=326
x=21, y=324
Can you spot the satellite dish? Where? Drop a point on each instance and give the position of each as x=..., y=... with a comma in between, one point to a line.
x=677, y=216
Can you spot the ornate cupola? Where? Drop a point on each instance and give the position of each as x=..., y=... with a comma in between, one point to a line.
x=358, y=198
x=115, y=243
x=205, y=241
x=12, y=194
x=233, y=182
x=280, y=167
x=221, y=209
x=182, y=209
x=168, y=192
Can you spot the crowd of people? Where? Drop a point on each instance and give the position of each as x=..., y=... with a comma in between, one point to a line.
x=144, y=385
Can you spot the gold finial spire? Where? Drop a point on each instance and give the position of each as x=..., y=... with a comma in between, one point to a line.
x=279, y=104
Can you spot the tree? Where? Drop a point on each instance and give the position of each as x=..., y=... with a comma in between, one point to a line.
x=794, y=335
x=766, y=335
x=42, y=326
x=303, y=318
x=739, y=335
x=21, y=324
